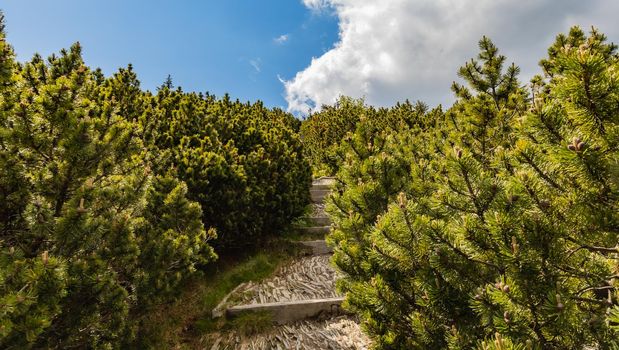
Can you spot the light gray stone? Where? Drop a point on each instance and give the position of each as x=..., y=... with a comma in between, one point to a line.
x=324, y=181
x=319, y=247
x=291, y=311
x=318, y=196
x=314, y=231
x=317, y=220
x=341, y=332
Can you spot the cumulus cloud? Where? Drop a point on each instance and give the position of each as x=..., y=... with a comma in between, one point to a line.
x=391, y=50
x=282, y=39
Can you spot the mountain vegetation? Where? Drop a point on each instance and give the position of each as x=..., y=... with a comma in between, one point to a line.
x=490, y=224
x=493, y=224
x=111, y=197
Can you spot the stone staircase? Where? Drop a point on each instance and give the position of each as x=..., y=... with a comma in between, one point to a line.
x=300, y=298
x=318, y=223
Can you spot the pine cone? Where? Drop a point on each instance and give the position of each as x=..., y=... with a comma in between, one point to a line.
x=577, y=145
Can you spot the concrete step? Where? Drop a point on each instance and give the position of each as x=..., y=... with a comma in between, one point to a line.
x=309, y=277
x=316, y=220
x=321, y=188
x=319, y=247
x=318, y=196
x=324, y=181
x=314, y=231
x=291, y=311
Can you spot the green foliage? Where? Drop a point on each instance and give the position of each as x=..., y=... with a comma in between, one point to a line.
x=322, y=132
x=89, y=238
x=242, y=162
x=504, y=231
x=31, y=293
x=105, y=191
x=252, y=323
x=387, y=155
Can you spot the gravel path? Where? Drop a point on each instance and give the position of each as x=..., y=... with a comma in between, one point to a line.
x=305, y=279
x=336, y=333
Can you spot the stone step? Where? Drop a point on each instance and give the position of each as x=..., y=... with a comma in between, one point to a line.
x=314, y=231
x=291, y=311
x=324, y=181
x=319, y=247
x=316, y=220
x=321, y=188
x=307, y=278
x=318, y=196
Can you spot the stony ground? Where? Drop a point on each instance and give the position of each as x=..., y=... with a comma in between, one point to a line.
x=305, y=279
x=341, y=332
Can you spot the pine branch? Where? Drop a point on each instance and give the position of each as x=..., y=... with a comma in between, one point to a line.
x=584, y=290
x=530, y=161
x=591, y=248
x=439, y=238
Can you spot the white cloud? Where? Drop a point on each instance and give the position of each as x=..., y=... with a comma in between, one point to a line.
x=282, y=39
x=390, y=50
x=255, y=63
x=317, y=4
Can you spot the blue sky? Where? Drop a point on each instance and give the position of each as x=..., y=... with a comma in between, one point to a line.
x=216, y=46
x=382, y=50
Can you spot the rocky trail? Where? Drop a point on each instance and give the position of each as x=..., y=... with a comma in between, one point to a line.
x=300, y=298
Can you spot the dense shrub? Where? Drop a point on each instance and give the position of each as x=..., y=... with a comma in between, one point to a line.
x=323, y=132
x=105, y=191
x=504, y=233
x=89, y=237
x=242, y=162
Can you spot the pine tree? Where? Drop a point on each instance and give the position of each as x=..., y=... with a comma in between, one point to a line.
x=31, y=287
x=427, y=269
x=90, y=237
x=508, y=241
x=565, y=173
x=376, y=167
